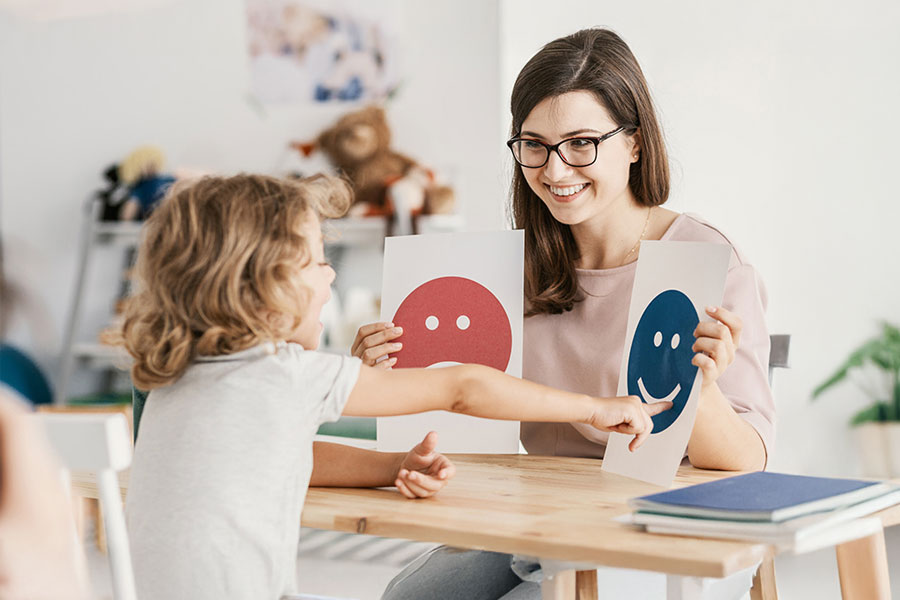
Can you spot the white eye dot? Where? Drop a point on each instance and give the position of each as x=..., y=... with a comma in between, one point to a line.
x=657, y=339
x=432, y=323
x=675, y=340
x=462, y=322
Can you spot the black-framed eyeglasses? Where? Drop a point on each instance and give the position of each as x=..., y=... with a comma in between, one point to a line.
x=576, y=152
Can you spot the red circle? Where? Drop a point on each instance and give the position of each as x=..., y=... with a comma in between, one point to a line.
x=486, y=341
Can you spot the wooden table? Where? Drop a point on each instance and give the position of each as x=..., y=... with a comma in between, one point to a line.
x=561, y=508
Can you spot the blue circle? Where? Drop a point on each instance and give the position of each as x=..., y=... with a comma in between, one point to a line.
x=655, y=368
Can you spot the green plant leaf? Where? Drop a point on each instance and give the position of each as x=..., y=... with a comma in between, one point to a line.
x=856, y=359
x=891, y=332
x=874, y=413
x=883, y=356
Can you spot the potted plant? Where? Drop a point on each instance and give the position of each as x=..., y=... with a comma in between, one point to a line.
x=875, y=368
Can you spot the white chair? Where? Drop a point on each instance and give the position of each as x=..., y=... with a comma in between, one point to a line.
x=99, y=443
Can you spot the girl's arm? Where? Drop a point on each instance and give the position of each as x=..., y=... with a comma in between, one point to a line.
x=485, y=392
x=419, y=473
x=338, y=465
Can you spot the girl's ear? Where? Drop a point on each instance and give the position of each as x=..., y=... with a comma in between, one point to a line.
x=636, y=142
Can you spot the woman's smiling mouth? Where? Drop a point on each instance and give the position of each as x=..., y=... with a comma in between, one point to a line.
x=566, y=193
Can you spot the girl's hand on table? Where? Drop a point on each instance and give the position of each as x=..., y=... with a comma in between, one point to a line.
x=423, y=472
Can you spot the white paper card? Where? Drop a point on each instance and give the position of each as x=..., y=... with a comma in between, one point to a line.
x=459, y=299
x=673, y=285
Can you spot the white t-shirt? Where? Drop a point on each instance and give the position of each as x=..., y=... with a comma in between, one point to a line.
x=221, y=471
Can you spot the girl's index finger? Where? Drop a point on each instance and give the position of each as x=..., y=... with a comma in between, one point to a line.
x=654, y=408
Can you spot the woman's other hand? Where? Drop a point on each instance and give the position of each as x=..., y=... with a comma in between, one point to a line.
x=374, y=342
x=716, y=343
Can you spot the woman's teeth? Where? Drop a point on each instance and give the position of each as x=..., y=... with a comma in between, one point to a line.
x=567, y=191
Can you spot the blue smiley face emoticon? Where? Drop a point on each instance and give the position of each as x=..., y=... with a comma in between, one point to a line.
x=659, y=366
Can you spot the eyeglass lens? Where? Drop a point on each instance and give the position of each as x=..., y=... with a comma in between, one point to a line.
x=576, y=152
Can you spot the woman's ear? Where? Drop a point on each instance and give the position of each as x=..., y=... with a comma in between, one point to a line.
x=636, y=142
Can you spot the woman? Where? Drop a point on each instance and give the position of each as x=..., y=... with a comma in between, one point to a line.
x=591, y=176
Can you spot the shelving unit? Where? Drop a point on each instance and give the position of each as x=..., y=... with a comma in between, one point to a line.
x=354, y=245
x=92, y=355
x=370, y=231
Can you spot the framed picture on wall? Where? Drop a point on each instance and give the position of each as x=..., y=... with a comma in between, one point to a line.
x=315, y=51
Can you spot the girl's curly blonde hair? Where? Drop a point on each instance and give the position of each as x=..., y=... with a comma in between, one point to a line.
x=218, y=259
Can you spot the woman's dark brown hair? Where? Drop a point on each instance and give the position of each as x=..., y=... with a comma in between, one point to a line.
x=596, y=61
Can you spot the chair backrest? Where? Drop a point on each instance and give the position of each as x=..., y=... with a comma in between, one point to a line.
x=779, y=353
x=100, y=443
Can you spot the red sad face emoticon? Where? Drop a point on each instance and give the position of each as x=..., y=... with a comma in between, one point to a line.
x=453, y=320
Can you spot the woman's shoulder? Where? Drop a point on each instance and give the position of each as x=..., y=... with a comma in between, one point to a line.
x=689, y=227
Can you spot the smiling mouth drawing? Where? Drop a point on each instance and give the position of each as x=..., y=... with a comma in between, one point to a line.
x=650, y=398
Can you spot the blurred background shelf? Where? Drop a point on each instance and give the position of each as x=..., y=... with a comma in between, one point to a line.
x=371, y=231
x=95, y=355
x=123, y=236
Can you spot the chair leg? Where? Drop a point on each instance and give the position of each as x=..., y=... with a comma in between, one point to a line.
x=586, y=585
x=764, y=582
x=79, y=510
x=559, y=587
x=99, y=527
x=863, y=568
x=119, y=552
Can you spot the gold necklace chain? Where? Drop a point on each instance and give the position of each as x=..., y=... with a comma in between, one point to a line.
x=643, y=233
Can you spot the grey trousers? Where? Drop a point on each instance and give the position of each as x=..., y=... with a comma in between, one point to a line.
x=452, y=574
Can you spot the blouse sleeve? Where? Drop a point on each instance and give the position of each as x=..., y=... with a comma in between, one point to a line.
x=745, y=383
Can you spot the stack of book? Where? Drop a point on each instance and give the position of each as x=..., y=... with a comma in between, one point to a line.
x=790, y=511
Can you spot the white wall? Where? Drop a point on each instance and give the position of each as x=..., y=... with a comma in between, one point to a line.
x=782, y=122
x=78, y=94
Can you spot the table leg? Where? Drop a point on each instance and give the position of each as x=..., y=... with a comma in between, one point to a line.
x=586, y=585
x=764, y=582
x=559, y=587
x=863, y=568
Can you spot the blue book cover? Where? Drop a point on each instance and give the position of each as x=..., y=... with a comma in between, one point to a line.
x=761, y=496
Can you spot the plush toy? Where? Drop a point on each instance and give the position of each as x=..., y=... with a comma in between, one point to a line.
x=141, y=172
x=386, y=183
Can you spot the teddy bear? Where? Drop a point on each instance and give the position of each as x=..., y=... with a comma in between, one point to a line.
x=386, y=183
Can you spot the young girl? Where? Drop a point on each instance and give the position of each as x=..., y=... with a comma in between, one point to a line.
x=231, y=280
x=591, y=176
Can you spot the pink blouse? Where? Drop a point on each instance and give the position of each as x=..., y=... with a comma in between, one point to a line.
x=581, y=350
